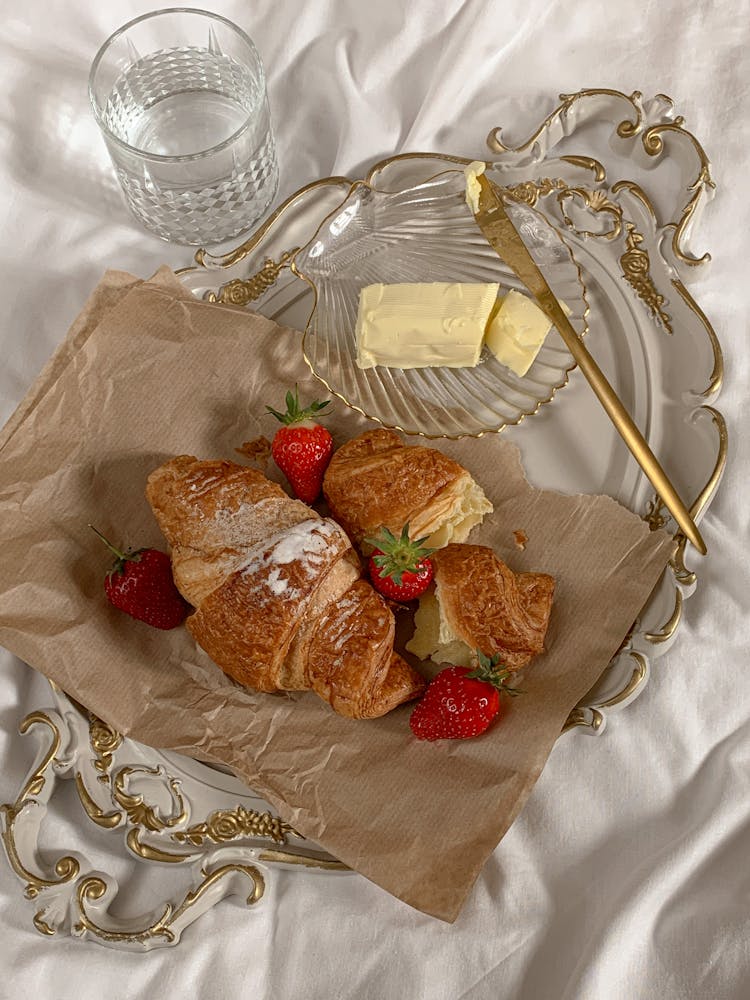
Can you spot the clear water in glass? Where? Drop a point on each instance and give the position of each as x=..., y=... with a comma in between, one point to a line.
x=195, y=156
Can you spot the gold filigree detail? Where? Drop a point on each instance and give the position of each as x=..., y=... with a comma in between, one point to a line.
x=682, y=574
x=628, y=637
x=371, y=175
x=305, y=860
x=41, y=924
x=151, y=853
x=84, y=891
x=203, y=258
x=637, y=191
x=653, y=143
x=595, y=201
x=587, y=718
x=94, y=888
x=637, y=678
x=636, y=265
x=701, y=501
x=591, y=715
x=240, y=291
x=626, y=128
x=717, y=374
x=66, y=868
x=655, y=517
x=138, y=811
x=229, y=824
x=529, y=192
x=588, y=163
x=213, y=877
x=107, y=820
x=669, y=628
x=104, y=741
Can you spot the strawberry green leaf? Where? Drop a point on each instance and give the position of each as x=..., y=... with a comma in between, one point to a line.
x=487, y=671
x=395, y=556
x=294, y=413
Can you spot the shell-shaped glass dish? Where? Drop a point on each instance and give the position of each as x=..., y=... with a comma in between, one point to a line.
x=424, y=234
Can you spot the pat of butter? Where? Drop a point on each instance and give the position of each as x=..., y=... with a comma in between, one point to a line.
x=423, y=325
x=517, y=331
x=473, y=187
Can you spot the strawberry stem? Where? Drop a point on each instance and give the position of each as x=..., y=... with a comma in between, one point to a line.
x=487, y=671
x=294, y=413
x=120, y=557
x=396, y=556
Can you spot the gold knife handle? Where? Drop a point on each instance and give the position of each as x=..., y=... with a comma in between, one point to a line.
x=502, y=235
x=627, y=429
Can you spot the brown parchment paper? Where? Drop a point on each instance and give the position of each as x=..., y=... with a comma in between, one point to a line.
x=147, y=372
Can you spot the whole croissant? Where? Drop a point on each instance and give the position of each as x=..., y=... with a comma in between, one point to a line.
x=279, y=603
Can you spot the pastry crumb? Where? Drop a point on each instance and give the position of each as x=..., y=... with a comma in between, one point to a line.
x=521, y=538
x=258, y=450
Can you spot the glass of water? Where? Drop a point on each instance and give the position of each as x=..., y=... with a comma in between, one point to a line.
x=180, y=98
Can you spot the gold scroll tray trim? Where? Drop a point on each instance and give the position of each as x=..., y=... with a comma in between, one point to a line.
x=227, y=851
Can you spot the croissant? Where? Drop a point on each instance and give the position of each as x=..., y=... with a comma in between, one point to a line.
x=375, y=480
x=279, y=602
x=479, y=603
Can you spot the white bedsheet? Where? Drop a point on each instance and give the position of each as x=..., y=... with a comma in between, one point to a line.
x=627, y=876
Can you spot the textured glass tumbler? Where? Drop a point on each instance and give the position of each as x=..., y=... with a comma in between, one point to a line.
x=180, y=98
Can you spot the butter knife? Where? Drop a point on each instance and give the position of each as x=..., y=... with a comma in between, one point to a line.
x=502, y=236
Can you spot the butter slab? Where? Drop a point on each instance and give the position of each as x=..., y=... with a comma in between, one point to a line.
x=517, y=331
x=423, y=325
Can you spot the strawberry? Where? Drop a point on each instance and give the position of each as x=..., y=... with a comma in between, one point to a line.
x=140, y=584
x=302, y=448
x=460, y=702
x=400, y=568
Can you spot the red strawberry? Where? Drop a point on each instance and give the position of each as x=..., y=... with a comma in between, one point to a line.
x=302, y=448
x=460, y=702
x=399, y=567
x=141, y=584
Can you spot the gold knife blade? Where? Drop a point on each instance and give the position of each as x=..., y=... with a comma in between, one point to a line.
x=504, y=239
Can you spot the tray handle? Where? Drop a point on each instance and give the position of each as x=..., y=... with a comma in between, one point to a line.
x=72, y=896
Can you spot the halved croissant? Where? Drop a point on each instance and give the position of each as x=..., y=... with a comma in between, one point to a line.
x=279, y=603
x=480, y=603
x=375, y=479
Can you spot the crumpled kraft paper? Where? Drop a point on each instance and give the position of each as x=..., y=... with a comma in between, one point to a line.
x=148, y=372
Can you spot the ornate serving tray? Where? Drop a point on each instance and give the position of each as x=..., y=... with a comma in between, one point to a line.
x=623, y=182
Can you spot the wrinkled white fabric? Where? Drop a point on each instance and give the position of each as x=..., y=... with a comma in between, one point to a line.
x=627, y=876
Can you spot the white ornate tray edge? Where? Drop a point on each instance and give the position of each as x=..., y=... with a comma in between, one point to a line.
x=226, y=836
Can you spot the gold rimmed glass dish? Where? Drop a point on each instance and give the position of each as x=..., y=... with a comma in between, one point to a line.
x=426, y=233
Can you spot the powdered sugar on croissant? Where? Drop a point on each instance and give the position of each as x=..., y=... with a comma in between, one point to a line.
x=270, y=579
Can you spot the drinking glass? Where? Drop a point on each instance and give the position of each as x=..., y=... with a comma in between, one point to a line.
x=180, y=98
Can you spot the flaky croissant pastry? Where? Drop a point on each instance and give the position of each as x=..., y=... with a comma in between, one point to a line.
x=375, y=479
x=279, y=603
x=479, y=603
